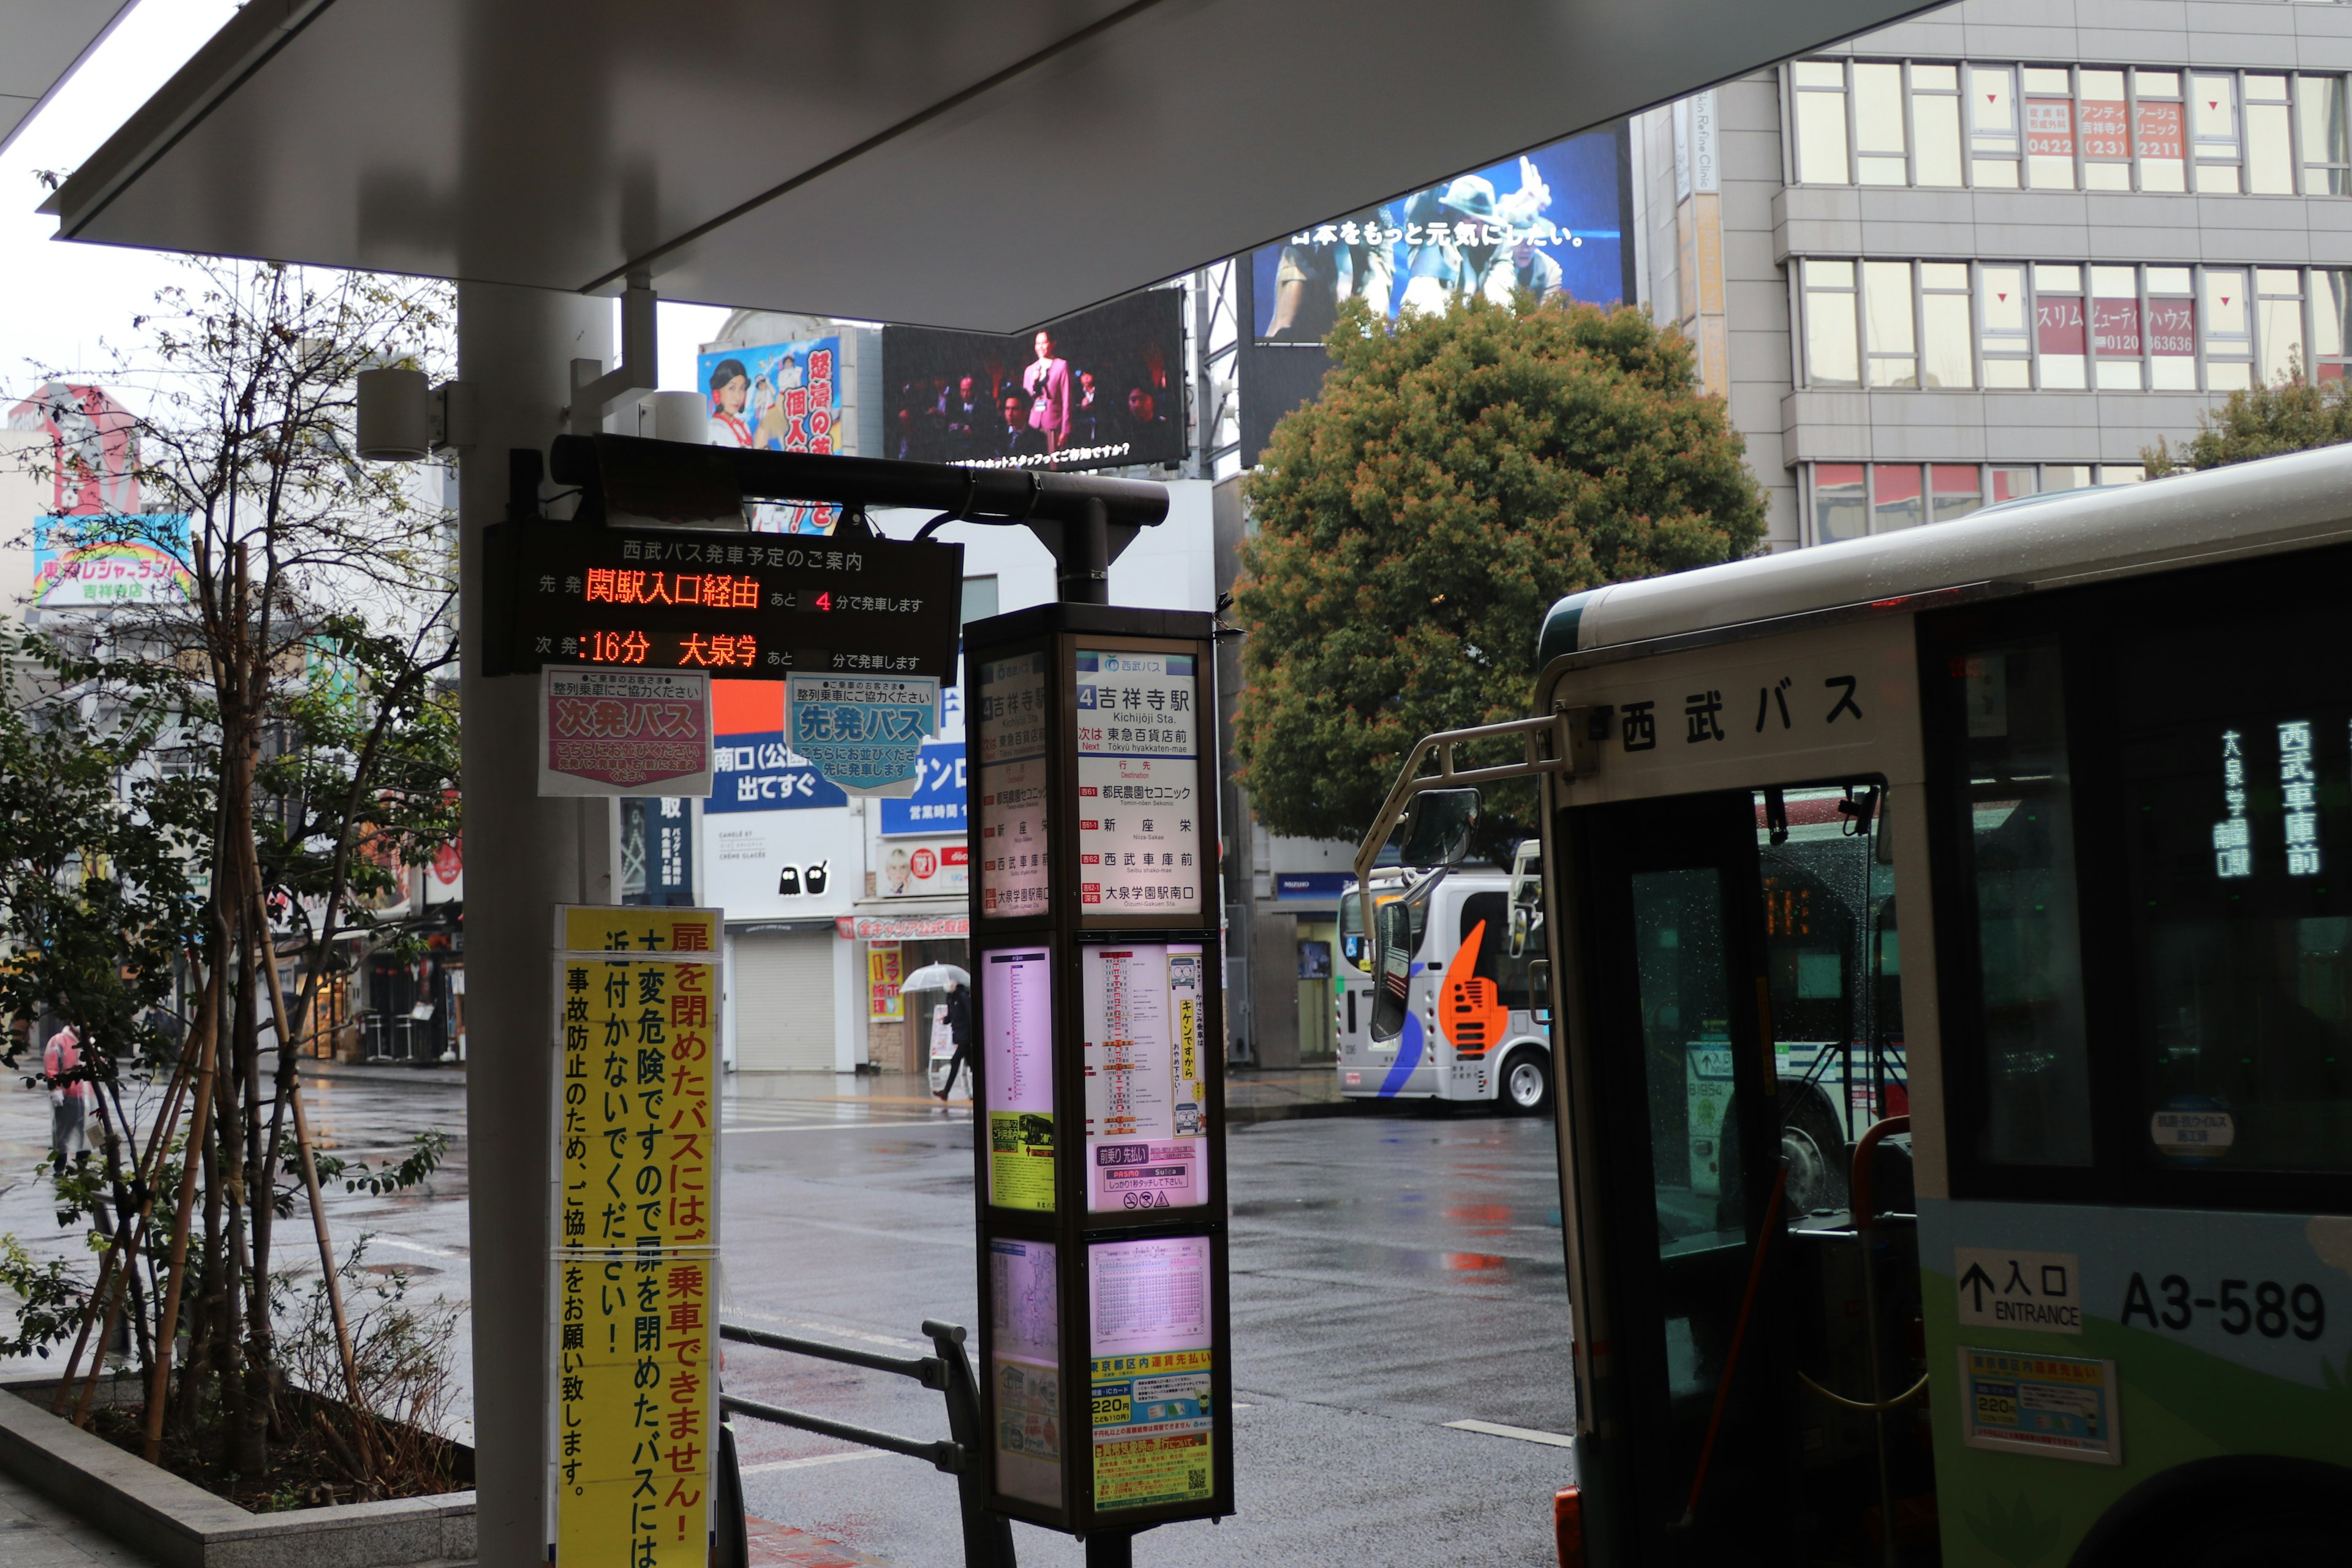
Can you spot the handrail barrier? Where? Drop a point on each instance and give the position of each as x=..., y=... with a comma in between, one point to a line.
x=987, y=1534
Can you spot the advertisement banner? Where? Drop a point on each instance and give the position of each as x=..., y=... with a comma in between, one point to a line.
x=940, y=870
x=634, y=1299
x=779, y=397
x=863, y=732
x=759, y=772
x=1103, y=388
x=885, y=968
x=606, y=731
x=109, y=562
x=938, y=803
x=1154, y=1404
x=1548, y=221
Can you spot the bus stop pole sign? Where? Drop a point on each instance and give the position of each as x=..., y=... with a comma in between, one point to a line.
x=1099, y=1146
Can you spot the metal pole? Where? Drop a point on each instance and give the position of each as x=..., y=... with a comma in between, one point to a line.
x=1111, y=1548
x=987, y=1536
x=516, y=346
x=1083, y=573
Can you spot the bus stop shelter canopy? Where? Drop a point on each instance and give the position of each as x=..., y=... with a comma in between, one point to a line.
x=928, y=161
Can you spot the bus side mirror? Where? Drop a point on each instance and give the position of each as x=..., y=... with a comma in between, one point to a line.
x=1539, y=981
x=1519, y=923
x=1438, y=825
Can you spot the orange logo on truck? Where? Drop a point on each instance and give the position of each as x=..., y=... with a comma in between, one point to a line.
x=1470, y=1008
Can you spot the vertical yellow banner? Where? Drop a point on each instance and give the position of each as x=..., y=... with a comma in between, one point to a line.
x=636, y=1243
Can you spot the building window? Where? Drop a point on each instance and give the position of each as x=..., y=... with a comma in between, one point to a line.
x=1956, y=491
x=1945, y=360
x=1838, y=509
x=2270, y=155
x=2060, y=337
x=1832, y=355
x=2094, y=127
x=1821, y=123
x=1851, y=500
x=1886, y=305
x=1992, y=126
x=1878, y=148
x=2327, y=150
x=2000, y=320
x=2062, y=326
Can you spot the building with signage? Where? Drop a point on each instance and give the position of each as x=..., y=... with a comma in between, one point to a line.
x=2001, y=248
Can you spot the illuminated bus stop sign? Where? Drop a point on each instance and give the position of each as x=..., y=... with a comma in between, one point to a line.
x=755, y=606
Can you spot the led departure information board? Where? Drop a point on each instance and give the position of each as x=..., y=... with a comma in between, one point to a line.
x=741, y=606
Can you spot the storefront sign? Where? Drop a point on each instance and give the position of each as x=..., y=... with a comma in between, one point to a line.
x=622, y=731
x=938, y=803
x=885, y=968
x=900, y=928
x=924, y=871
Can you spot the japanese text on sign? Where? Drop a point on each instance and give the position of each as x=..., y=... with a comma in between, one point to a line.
x=1154, y=1406
x=1145, y=1090
x=1139, y=773
x=1010, y=722
x=635, y=1231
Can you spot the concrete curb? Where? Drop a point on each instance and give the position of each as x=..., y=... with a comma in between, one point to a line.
x=180, y=1525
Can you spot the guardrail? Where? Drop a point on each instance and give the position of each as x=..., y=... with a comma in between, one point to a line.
x=987, y=1535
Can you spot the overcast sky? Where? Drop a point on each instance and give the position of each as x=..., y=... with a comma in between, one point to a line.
x=62, y=304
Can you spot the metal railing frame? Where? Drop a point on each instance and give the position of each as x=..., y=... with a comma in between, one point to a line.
x=987, y=1534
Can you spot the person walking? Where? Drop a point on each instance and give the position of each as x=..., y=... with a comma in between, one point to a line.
x=68, y=1101
x=958, y=1031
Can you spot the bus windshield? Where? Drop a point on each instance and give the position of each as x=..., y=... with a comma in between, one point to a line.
x=1399, y=922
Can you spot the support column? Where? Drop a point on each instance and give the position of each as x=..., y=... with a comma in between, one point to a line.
x=526, y=855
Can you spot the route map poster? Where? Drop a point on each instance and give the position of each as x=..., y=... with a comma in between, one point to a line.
x=637, y=1230
x=1145, y=1129
x=1011, y=720
x=1138, y=778
x=1150, y=1317
x=1025, y=1358
x=1016, y=1009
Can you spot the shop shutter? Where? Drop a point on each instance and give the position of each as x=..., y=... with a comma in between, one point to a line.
x=784, y=1003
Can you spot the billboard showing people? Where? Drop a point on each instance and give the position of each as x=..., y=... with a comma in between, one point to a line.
x=1549, y=220
x=779, y=397
x=1099, y=389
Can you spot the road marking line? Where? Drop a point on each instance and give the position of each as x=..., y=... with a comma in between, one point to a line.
x=813, y=1459
x=413, y=1247
x=1523, y=1434
x=842, y=1126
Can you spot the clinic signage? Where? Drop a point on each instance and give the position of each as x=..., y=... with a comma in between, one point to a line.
x=1099, y=1159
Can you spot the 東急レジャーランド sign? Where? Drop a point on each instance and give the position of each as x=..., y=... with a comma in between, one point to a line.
x=614, y=731
x=749, y=606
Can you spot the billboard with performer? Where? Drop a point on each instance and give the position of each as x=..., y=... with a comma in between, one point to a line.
x=779, y=397
x=1550, y=220
x=1101, y=389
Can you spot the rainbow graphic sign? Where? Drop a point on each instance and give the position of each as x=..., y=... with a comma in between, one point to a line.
x=103, y=562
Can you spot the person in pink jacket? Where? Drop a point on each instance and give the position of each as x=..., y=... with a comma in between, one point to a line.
x=68, y=1101
x=1047, y=383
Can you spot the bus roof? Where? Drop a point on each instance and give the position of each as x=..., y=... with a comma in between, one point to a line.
x=2278, y=503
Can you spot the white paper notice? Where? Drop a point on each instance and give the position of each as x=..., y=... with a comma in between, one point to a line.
x=1025, y=1352
x=1148, y=1296
x=1144, y=1013
x=1138, y=778
x=1017, y=1056
x=1009, y=718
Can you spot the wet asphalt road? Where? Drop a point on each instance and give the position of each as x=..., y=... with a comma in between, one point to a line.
x=1390, y=1274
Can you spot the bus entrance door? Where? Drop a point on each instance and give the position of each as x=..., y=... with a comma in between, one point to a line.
x=1681, y=1067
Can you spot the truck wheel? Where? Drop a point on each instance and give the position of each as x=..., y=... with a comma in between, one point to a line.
x=1527, y=1082
x=1815, y=1154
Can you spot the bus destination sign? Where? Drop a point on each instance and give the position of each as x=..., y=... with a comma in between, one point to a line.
x=740, y=606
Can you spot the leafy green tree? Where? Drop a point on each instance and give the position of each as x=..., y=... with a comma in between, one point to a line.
x=1459, y=474
x=2292, y=414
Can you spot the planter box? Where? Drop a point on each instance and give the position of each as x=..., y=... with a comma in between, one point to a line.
x=180, y=1525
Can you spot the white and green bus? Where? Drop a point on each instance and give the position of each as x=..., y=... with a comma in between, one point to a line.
x=2042, y=822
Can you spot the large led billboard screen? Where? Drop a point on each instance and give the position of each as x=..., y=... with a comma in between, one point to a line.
x=1101, y=389
x=1549, y=220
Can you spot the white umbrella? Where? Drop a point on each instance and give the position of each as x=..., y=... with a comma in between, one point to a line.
x=934, y=978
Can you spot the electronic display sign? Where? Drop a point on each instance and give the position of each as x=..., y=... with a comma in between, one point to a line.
x=737, y=605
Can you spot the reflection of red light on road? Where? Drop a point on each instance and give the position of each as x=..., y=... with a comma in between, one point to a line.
x=1471, y=1262
x=1480, y=1214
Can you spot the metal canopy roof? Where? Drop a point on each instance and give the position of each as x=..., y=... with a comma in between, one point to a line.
x=41, y=42
x=984, y=166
